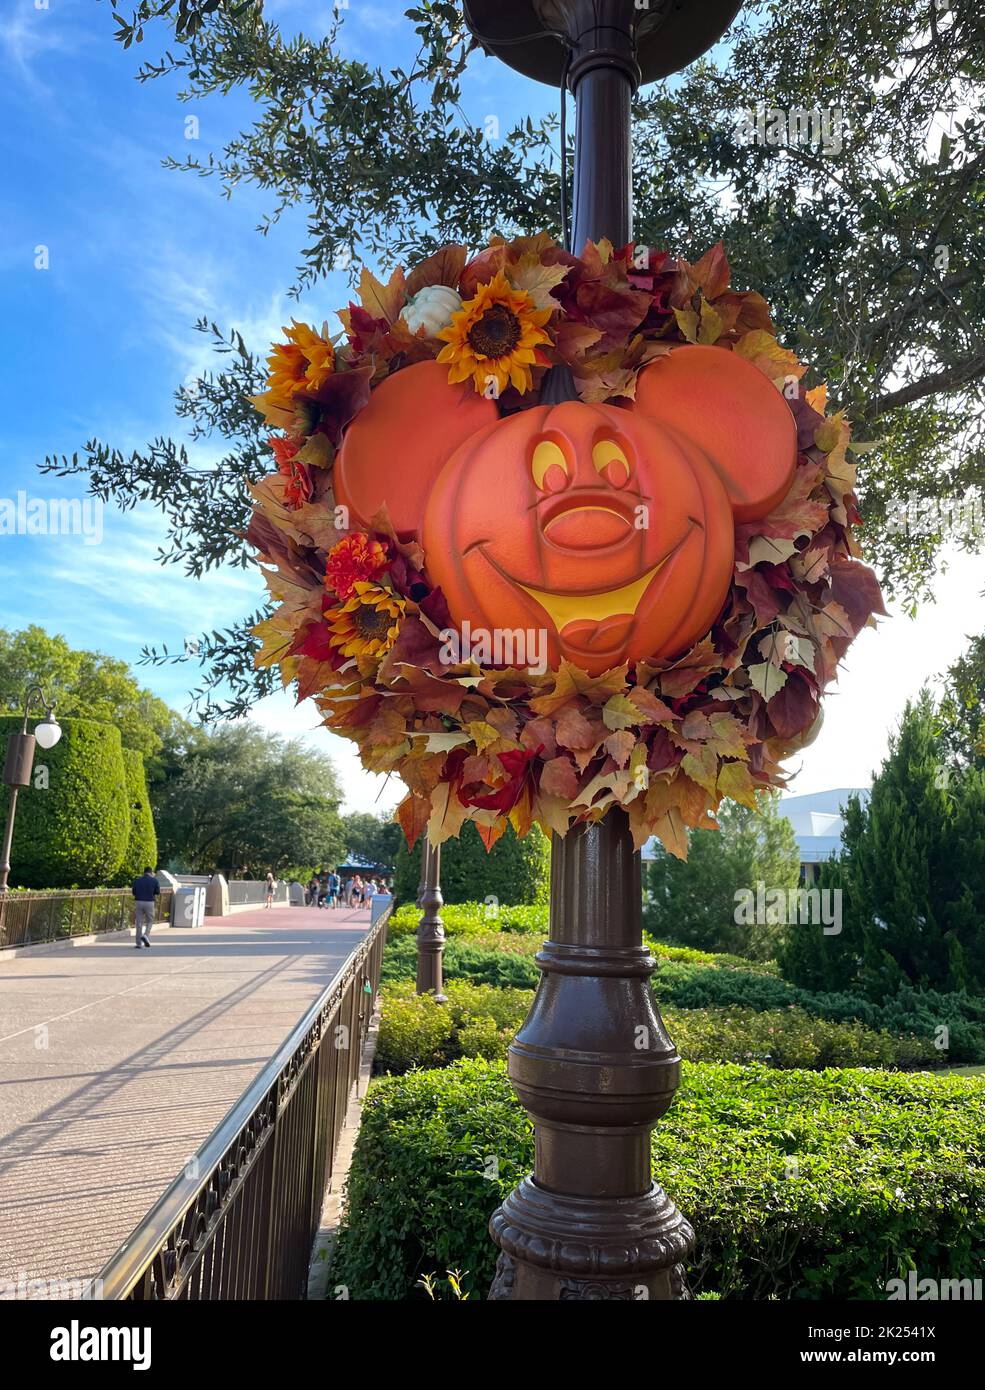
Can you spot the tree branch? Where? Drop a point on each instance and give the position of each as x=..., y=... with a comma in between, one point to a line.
x=937, y=382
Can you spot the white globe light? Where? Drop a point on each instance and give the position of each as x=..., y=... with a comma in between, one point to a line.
x=48, y=731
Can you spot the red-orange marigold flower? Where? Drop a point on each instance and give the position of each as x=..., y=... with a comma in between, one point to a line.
x=357, y=559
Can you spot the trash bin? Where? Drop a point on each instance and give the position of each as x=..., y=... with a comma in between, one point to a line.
x=188, y=906
x=378, y=904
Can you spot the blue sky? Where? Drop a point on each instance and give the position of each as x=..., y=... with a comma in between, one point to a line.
x=96, y=343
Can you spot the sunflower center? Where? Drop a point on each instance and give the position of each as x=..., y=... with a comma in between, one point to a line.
x=372, y=624
x=497, y=333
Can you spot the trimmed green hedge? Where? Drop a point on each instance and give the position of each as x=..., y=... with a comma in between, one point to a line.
x=417, y=1031
x=721, y=986
x=799, y=1184
x=481, y=1020
x=475, y=919
x=141, y=847
x=464, y=961
x=920, y=1012
x=73, y=832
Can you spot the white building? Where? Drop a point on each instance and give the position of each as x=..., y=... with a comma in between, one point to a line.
x=818, y=824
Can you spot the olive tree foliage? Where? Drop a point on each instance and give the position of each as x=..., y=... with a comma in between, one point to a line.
x=857, y=211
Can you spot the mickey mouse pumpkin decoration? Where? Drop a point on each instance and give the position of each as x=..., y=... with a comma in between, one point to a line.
x=612, y=526
x=681, y=531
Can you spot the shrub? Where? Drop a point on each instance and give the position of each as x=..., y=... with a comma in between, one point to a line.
x=142, y=841
x=919, y=1012
x=417, y=1031
x=721, y=960
x=514, y=870
x=483, y=1020
x=788, y=1038
x=799, y=1184
x=475, y=919
x=74, y=831
x=463, y=960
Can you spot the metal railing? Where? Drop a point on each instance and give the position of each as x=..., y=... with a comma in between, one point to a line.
x=31, y=919
x=240, y=1221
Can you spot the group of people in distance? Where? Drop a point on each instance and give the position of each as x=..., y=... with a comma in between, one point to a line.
x=327, y=889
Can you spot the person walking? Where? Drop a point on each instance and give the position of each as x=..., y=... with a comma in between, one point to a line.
x=271, y=885
x=334, y=884
x=314, y=887
x=145, y=889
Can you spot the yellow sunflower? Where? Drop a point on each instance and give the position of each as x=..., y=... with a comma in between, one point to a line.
x=494, y=337
x=303, y=363
x=366, y=625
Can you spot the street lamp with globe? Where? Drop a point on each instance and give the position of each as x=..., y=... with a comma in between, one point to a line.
x=19, y=763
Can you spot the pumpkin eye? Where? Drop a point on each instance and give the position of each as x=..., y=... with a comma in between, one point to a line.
x=610, y=459
x=549, y=466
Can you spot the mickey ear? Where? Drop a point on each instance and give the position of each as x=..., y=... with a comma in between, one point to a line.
x=398, y=444
x=734, y=413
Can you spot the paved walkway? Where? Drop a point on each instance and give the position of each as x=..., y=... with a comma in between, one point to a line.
x=115, y=1066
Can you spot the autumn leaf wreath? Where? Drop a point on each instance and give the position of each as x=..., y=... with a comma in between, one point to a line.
x=455, y=390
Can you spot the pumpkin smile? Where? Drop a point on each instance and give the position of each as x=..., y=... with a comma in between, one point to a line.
x=599, y=621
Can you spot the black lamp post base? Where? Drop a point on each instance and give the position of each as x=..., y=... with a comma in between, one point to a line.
x=555, y=1247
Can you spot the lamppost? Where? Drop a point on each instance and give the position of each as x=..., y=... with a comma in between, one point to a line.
x=431, y=930
x=593, y=1064
x=19, y=764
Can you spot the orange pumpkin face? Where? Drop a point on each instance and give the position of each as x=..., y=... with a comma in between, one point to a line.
x=604, y=530
x=610, y=529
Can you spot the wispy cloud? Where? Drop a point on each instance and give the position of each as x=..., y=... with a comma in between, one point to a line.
x=29, y=34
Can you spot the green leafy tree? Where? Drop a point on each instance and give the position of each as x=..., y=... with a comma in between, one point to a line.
x=694, y=901
x=73, y=821
x=867, y=235
x=514, y=871
x=88, y=684
x=900, y=858
x=819, y=960
x=376, y=839
x=911, y=875
x=962, y=707
x=966, y=905
x=242, y=801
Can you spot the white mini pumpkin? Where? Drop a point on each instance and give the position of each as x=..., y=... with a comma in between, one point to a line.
x=431, y=309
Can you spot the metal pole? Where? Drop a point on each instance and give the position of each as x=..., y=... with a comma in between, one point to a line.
x=431, y=930
x=16, y=774
x=425, y=851
x=593, y=1064
x=8, y=839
